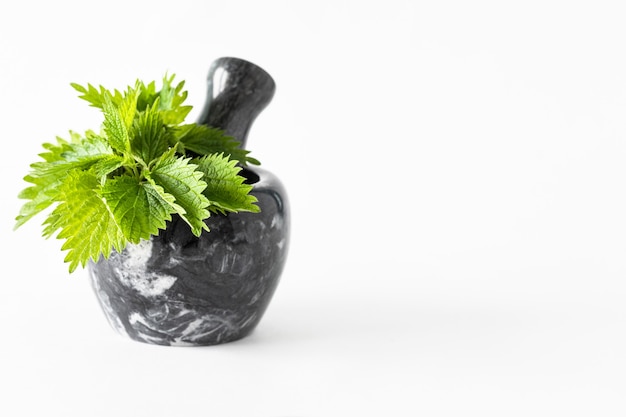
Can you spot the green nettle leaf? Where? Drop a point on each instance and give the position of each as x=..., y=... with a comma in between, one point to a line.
x=115, y=126
x=84, y=219
x=123, y=185
x=94, y=149
x=225, y=189
x=147, y=95
x=83, y=147
x=167, y=94
x=55, y=152
x=106, y=165
x=205, y=140
x=171, y=100
x=91, y=94
x=139, y=208
x=149, y=137
x=91, y=152
x=42, y=193
x=96, y=96
x=58, y=161
x=180, y=179
x=41, y=196
x=128, y=107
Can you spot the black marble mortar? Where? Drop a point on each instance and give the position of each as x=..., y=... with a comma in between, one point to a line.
x=179, y=289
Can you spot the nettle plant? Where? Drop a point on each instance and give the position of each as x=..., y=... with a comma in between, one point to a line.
x=123, y=184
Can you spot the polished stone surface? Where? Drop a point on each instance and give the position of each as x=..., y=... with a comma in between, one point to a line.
x=177, y=289
x=237, y=92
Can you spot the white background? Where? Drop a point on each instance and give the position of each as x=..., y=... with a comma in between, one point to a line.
x=457, y=183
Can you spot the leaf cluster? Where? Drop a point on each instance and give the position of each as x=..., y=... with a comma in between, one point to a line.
x=123, y=184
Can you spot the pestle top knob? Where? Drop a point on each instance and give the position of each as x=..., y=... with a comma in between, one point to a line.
x=238, y=91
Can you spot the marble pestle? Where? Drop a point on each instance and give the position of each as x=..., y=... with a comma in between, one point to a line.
x=238, y=91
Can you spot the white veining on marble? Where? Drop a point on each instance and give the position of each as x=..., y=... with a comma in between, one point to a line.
x=134, y=274
x=248, y=320
x=202, y=327
x=277, y=222
x=186, y=325
x=173, y=260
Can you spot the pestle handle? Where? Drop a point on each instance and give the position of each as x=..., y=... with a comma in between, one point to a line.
x=238, y=91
